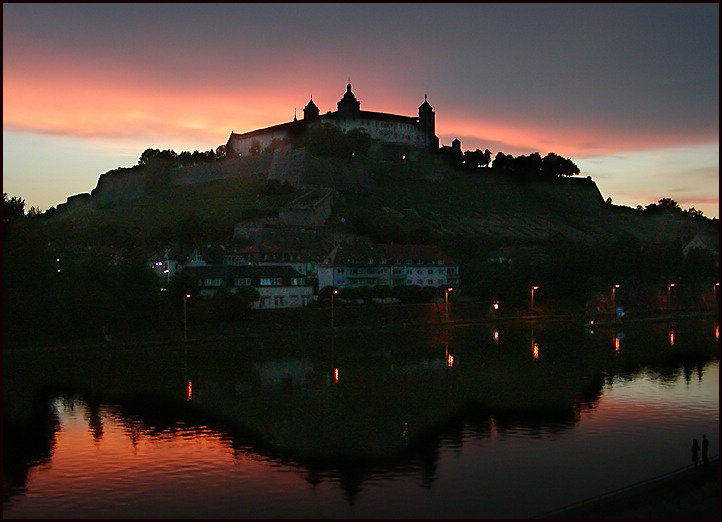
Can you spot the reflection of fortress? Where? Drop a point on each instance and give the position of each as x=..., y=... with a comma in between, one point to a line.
x=391, y=128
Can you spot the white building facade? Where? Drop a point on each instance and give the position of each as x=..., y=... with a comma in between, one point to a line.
x=390, y=265
x=390, y=128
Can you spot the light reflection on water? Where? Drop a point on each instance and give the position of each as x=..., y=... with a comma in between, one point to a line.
x=112, y=460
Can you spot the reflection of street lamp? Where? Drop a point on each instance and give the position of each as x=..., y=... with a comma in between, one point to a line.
x=669, y=295
x=614, y=298
x=446, y=301
x=532, y=297
x=185, y=321
x=333, y=293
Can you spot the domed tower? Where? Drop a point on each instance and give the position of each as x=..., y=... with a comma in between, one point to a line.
x=427, y=122
x=310, y=111
x=349, y=107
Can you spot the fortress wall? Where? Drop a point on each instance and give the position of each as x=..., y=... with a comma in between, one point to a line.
x=123, y=185
x=334, y=173
x=311, y=209
x=287, y=165
x=227, y=168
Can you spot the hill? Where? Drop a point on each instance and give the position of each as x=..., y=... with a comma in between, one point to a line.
x=383, y=194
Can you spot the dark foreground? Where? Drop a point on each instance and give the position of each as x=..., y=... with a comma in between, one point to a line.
x=690, y=494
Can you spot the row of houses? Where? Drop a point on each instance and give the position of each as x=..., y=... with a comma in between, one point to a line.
x=288, y=276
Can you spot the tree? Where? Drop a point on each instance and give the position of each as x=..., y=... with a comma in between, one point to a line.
x=221, y=151
x=236, y=305
x=358, y=141
x=181, y=284
x=663, y=205
x=502, y=162
x=694, y=213
x=477, y=159
x=554, y=165
x=152, y=156
x=528, y=166
x=669, y=204
x=12, y=207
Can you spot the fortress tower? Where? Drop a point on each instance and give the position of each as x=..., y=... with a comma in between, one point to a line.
x=310, y=111
x=427, y=122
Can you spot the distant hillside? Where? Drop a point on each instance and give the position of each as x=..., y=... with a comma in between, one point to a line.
x=420, y=195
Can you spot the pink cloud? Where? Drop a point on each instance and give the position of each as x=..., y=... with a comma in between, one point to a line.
x=111, y=101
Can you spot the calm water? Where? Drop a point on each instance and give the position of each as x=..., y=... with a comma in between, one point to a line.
x=482, y=421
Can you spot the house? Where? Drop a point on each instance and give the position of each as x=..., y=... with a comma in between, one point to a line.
x=363, y=264
x=278, y=286
x=701, y=242
x=300, y=247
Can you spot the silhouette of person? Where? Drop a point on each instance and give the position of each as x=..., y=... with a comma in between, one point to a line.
x=705, y=448
x=695, y=451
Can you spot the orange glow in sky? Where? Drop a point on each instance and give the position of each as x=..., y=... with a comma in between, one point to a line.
x=104, y=77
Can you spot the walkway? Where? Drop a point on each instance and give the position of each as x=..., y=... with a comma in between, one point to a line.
x=688, y=493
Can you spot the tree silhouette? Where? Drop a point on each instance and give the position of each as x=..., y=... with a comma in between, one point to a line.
x=12, y=207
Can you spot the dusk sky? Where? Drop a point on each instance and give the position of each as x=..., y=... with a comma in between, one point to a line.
x=630, y=92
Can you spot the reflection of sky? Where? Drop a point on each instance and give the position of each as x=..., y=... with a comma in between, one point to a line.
x=632, y=84
x=640, y=428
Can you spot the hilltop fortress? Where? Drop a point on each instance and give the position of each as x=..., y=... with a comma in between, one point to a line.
x=389, y=128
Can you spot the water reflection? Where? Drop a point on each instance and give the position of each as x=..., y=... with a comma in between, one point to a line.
x=345, y=409
x=28, y=442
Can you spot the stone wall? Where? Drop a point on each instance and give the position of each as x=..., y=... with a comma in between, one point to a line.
x=227, y=168
x=313, y=208
x=119, y=185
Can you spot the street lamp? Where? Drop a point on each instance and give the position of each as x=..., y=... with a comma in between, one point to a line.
x=333, y=293
x=669, y=295
x=532, y=297
x=614, y=298
x=446, y=301
x=185, y=321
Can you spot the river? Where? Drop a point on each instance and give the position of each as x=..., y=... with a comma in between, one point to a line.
x=479, y=421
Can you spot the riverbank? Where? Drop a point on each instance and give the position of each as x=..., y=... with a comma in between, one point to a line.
x=350, y=319
x=690, y=493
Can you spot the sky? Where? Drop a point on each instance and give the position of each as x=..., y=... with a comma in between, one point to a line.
x=629, y=92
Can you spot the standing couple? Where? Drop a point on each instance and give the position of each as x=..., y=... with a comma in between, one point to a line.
x=695, y=450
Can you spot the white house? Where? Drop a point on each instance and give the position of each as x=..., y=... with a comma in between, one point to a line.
x=278, y=286
x=356, y=265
